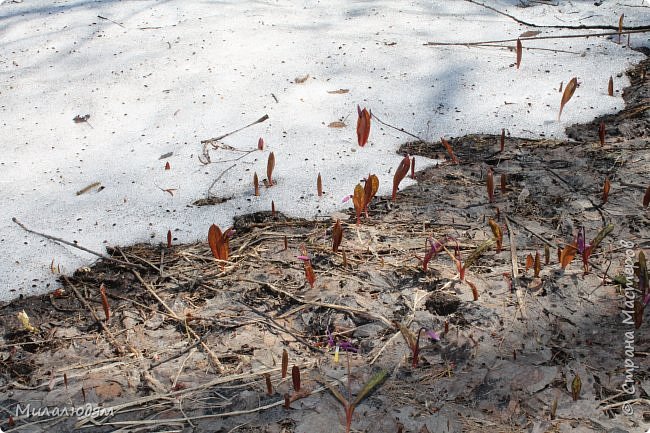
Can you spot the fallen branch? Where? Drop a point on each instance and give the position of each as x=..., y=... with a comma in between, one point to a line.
x=535, y=38
x=515, y=269
x=552, y=26
x=221, y=137
x=71, y=244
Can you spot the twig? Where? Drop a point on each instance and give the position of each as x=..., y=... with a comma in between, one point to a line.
x=534, y=38
x=284, y=329
x=397, y=129
x=213, y=356
x=108, y=19
x=320, y=304
x=582, y=26
x=212, y=140
x=217, y=180
x=118, y=348
x=538, y=236
x=623, y=403
x=71, y=244
x=515, y=269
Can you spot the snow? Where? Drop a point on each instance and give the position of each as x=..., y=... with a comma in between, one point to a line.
x=160, y=76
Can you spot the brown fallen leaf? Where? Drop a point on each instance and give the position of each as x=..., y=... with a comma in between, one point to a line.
x=569, y=90
x=88, y=188
x=338, y=92
x=529, y=34
x=81, y=119
x=302, y=79
x=337, y=124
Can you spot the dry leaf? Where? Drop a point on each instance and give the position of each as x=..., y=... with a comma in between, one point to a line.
x=300, y=80
x=529, y=34
x=88, y=188
x=319, y=185
x=450, y=151
x=337, y=236
x=568, y=93
x=338, y=92
x=561, y=84
x=81, y=119
x=601, y=133
x=270, y=165
x=400, y=173
x=363, y=126
x=610, y=87
x=606, y=187
x=519, y=50
x=337, y=124
x=24, y=320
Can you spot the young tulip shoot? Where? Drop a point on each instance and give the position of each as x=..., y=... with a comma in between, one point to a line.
x=498, y=234
x=568, y=93
x=169, y=238
x=490, y=185
x=519, y=50
x=449, y=150
x=538, y=264
x=319, y=185
x=358, y=201
x=285, y=363
x=369, y=191
x=363, y=126
x=260, y=144
x=503, y=183
x=646, y=197
x=107, y=308
x=601, y=133
x=610, y=86
x=400, y=173
x=295, y=378
x=606, y=187
x=256, y=184
x=219, y=243
x=337, y=236
x=270, y=165
x=503, y=139
x=413, y=167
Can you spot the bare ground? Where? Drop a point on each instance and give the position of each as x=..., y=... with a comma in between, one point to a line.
x=188, y=343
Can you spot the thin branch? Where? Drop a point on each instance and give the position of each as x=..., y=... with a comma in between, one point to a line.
x=212, y=140
x=396, y=128
x=535, y=38
x=71, y=244
x=555, y=26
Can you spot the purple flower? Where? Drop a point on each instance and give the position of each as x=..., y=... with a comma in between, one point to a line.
x=581, y=240
x=433, y=335
x=346, y=198
x=303, y=258
x=347, y=346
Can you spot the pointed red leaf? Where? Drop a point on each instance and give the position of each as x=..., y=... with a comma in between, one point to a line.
x=363, y=126
x=400, y=173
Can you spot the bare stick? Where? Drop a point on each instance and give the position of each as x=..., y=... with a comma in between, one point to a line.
x=556, y=26
x=212, y=140
x=535, y=38
x=396, y=128
x=71, y=244
x=188, y=329
x=515, y=269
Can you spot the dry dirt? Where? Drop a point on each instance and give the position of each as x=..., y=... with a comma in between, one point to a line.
x=189, y=342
